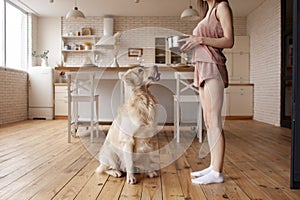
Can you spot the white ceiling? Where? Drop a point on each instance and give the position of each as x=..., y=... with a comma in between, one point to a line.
x=126, y=7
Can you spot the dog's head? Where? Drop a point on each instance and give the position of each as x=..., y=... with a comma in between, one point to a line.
x=140, y=76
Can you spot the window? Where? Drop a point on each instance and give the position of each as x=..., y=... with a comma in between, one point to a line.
x=16, y=37
x=13, y=41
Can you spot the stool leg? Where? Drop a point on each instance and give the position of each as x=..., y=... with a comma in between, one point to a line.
x=177, y=122
x=92, y=106
x=175, y=118
x=75, y=107
x=75, y=111
x=69, y=109
x=92, y=118
x=177, y=108
x=97, y=116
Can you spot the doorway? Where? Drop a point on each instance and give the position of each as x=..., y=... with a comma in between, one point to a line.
x=295, y=120
x=287, y=63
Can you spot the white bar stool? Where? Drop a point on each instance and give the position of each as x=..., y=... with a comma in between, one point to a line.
x=183, y=85
x=81, y=88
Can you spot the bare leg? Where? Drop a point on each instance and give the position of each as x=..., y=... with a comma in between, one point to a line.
x=204, y=104
x=211, y=97
x=214, y=91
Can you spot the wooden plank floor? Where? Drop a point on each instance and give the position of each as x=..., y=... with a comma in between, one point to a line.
x=36, y=162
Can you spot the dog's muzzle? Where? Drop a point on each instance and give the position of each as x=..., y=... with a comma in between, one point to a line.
x=155, y=75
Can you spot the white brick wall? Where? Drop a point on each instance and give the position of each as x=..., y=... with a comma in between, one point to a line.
x=264, y=28
x=240, y=26
x=135, y=34
x=13, y=95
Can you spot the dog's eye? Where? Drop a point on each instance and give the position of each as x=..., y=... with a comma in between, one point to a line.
x=141, y=70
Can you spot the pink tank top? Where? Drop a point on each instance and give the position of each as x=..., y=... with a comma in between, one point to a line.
x=210, y=61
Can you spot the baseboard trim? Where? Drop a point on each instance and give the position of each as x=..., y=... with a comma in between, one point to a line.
x=60, y=117
x=239, y=117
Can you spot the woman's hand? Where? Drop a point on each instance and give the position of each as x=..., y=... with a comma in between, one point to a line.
x=191, y=42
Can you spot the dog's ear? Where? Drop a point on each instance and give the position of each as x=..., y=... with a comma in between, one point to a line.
x=141, y=70
x=127, y=78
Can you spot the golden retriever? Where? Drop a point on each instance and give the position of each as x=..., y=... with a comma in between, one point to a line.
x=127, y=141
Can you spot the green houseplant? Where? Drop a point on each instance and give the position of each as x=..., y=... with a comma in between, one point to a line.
x=43, y=56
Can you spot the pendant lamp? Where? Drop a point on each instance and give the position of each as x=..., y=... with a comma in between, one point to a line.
x=75, y=14
x=190, y=14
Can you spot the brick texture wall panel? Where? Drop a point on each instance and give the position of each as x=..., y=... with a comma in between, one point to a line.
x=14, y=96
x=135, y=35
x=264, y=28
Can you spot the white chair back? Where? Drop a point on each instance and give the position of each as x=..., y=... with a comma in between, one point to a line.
x=186, y=92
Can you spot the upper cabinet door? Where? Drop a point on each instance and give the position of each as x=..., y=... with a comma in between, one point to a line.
x=238, y=60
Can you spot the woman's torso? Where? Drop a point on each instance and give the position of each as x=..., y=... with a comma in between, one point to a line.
x=210, y=60
x=210, y=27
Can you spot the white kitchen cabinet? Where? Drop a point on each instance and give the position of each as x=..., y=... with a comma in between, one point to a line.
x=238, y=101
x=226, y=104
x=238, y=60
x=160, y=50
x=164, y=56
x=61, y=100
x=238, y=67
x=40, y=90
x=238, y=97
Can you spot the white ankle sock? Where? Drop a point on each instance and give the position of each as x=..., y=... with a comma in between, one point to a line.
x=202, y=172
x=211, y=177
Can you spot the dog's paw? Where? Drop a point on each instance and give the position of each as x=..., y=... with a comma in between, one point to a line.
x=152, y=174
x=99, y=170
x=114, y=173
x=130, y=179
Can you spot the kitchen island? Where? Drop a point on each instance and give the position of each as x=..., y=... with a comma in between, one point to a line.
x=109, y=90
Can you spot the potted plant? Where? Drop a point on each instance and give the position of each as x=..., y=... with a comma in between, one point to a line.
x=43, y=56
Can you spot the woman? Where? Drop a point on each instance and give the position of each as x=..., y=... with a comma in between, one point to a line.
x=213, y=33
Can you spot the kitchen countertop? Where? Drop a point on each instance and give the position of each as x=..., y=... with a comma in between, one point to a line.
x=122, y=69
